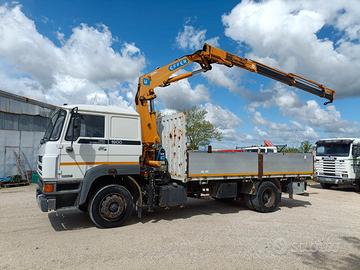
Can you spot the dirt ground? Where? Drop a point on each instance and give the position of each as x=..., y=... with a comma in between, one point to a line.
x=319, y=231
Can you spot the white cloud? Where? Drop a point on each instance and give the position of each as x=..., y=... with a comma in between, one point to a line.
x=305, y=114
x=224, y=120
x=168, y=111
x=284, y=33
x=194, y=39
x=279, y=133
x=223, y=76
x=84, y=69
x=182, y=96
x=262, y=133
x=220, y=117
x=229, y=124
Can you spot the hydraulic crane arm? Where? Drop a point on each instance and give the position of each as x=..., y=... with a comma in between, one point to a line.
x=205, y=58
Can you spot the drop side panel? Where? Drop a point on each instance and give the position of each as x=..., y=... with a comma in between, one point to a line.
x=220, y=165
x=288, y=164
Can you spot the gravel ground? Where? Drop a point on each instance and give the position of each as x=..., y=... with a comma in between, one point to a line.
x=319, y=231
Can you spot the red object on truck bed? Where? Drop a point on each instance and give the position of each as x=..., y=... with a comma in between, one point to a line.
x=229, y=150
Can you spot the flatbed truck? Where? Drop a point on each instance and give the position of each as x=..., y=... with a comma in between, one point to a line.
x=107, y=161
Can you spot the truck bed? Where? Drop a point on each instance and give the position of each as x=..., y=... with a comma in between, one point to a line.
x=187, y=165
x=219, y=166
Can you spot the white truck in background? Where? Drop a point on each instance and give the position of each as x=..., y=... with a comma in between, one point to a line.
x=267, y=147
x=337, y=162
x=260, y=149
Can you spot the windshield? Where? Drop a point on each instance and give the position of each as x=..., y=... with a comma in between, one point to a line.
x=333, y=149
x=54, y=128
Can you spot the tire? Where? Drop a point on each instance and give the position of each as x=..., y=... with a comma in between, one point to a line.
x=248, y=201
x=325, y=185
x=267, y=198
x=110, y=206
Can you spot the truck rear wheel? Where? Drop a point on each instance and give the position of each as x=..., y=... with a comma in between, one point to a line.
x=267, y=198
x=111, y=206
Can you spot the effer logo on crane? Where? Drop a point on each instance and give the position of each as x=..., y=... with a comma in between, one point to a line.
x=178, y=64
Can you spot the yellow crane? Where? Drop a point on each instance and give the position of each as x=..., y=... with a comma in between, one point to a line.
x=164, y=76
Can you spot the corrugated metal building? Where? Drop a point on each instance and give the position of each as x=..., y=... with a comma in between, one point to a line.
x=22, y=125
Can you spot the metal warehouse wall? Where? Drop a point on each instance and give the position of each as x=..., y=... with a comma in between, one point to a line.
x=24, y=142
x=22, y=125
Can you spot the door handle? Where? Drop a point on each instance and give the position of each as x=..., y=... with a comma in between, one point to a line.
x=102, y=148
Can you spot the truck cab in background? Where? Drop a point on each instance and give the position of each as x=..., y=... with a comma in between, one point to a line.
x=337, y=162
x=260, y=149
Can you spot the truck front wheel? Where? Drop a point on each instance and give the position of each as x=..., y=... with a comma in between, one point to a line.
x=267, y=198
x=110, y=206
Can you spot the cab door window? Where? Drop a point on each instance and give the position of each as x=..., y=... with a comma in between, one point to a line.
x=91, y=126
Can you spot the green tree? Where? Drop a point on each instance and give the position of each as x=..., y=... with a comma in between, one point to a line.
x=305, y=147
x=199, y=131
x=290, y=150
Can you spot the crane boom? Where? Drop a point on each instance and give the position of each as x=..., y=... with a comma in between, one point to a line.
x=209, y=55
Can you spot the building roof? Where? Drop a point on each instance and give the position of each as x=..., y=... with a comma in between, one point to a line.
x=102, y=109
x=15, y=104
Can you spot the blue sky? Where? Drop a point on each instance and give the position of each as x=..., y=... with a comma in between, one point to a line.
x=136, y=21
x=306, y=37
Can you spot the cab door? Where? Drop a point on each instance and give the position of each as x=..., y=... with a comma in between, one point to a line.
x=88, y=150
x=356, y=158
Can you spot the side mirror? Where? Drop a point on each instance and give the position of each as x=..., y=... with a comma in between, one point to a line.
x=76, y=127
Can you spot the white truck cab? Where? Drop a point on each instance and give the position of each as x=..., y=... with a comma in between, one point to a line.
x=82, y=137
x=337, y=161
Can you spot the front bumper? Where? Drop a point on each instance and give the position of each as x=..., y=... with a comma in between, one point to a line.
x=65, y=195
x=334, y=180
x=45, y=204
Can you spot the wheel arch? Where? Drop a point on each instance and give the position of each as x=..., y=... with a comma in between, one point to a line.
x=103, y=175
x=275, y=181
